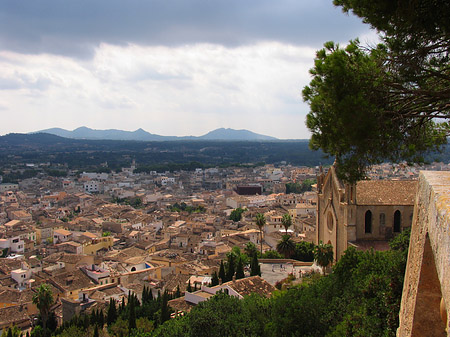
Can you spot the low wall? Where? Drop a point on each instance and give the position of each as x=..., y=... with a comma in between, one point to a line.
x=294, y=262
x=425, y=305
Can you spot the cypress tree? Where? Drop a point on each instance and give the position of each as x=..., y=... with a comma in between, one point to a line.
x=131, y=315
x=165, y=313
x=93, y=318
x=230, y=267
x=189, y=287
x=86, y=322
x=112, y=312
x=222, y=271
x=144, y=295
x=240, y=269
x=9, y=332
x=214, y=279
x=255, y=269
x=178, y=292
x=96, y=331
x=100, y=319
x=123, y=305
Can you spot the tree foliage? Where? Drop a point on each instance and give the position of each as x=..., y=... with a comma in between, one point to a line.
x=286, y=246
x=286, y=221
x=385, y=103
x=304, y=251
x=236, y=214
x=323, y=254
x=255, y=269
x=43, y=300
x=260, y=221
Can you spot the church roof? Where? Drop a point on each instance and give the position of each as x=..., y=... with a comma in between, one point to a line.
x=386, y=192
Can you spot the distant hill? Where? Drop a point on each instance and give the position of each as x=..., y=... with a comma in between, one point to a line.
x=142, y=135
x=231, y=134
x=110, y=134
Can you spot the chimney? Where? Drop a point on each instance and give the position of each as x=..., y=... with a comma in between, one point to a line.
x=234, y=278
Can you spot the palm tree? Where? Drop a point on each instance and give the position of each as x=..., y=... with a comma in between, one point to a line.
x=286, y=246
x=43, y=300
x=323, y=254
x=260, y=222
x=286, y=220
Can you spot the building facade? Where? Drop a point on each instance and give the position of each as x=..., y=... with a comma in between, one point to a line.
x=366, y=214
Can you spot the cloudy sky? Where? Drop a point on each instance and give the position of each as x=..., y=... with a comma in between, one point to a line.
x=171, y=67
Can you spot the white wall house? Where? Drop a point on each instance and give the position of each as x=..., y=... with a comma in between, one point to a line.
x=15, y=244
x=61, y=235
x=91, y=186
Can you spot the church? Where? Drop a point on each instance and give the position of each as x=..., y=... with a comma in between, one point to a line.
x=365, y=215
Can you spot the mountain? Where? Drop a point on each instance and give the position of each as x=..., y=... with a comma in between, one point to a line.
x=231, y=134
x=110, y=134
x=142, y=135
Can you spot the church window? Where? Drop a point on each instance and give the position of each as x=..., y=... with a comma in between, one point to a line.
x=330, y=221
x=368, y=222
x=397, y=221
x=382, y=219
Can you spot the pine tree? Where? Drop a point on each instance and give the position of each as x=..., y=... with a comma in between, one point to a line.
x=240, y=269
x=222, y=275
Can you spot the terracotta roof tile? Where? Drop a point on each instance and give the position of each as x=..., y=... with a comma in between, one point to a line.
x=386, y=192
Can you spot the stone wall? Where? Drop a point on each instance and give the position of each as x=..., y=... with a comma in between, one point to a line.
x=425, y=305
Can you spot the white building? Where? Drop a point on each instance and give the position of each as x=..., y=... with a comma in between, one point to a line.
x=91, y=186
x=94, y=175
x=61, y=235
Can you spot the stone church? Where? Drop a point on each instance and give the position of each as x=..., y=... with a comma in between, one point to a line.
x=366, y=214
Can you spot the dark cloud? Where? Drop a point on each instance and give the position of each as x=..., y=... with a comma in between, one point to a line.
x=75, y=28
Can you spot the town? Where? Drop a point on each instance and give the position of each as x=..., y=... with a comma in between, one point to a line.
x=93, y=237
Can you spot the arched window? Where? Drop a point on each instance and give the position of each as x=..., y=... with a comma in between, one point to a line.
x=330, y=221
x=133, y=268
x=397, y=221
x=368, y=222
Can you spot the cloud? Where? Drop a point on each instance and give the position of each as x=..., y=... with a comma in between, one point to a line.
x=185, y=90
x=77, y=28
x=178, y=67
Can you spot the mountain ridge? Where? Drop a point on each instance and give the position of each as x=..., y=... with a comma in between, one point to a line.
x=84, y=132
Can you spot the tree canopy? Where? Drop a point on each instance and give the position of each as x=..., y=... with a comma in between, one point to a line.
x=388, y=102
x=43, y=299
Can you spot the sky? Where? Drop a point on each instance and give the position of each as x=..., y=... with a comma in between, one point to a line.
x=170, y=67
